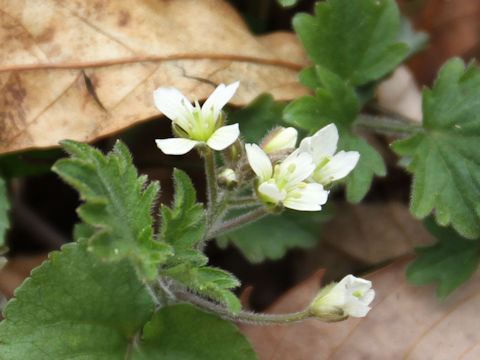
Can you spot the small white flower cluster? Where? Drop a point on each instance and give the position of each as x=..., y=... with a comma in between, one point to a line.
x=349, y=297
x=296, y=181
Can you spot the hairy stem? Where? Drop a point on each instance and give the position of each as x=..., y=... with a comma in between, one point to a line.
x=243, y=202
x=245, y=316
x=237, y=222
x=211, y=179
x=387, y=125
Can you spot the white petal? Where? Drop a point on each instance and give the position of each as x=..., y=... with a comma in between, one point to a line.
x=295, y=168
x=308, y=197
x=220, y=96
x=271, y=191
x=223, y=137
x=171, y=102
x=175, y=146
x=259, y=161
x=324, y=143
x=280, y=139
x=338, y=167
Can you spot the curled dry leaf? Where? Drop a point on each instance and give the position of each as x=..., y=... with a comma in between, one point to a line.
x=406, y=322
x=82, y=70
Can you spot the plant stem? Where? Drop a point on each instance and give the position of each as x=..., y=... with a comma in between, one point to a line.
x=243, y=202
x=211, y=179
x=245, y=316
x=237, y=222
x=387, y=125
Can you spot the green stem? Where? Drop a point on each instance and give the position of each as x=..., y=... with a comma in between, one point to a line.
x=245, y=316
x=387, y=125
x=237, y=222
x=211, y=179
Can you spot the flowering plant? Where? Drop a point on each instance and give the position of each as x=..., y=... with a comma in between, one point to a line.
x=137, y=285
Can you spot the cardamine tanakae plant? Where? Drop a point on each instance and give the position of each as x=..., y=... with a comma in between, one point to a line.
x=132, y=286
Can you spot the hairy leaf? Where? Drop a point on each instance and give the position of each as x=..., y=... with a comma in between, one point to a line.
x=336, y=102
x=446, y=154
x=117, y=205
x=183, y=226
x=184, y=332
x=4, y=207
x=271, y=237
x=357, y=40
x=450, y=262
x=75, y=307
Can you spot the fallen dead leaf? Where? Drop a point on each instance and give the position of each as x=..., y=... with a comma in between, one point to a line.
x=362, y=236
x=406, y=322
x=83, y=70
x=454, y=30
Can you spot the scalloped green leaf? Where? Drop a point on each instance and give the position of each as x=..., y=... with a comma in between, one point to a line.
x=336, y=102
x=183, y=227
x=357, y=40
x=75, y=307
x=184, y=332
x=450, y=262
x=271, y=237
x=117, y=205
x=446, y=155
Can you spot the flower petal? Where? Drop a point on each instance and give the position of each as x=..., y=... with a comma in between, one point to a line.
x=307, y=197
x=259, y=162
x=223, y=137
x=271, y=191
x=171, y=102
x=324, y=143
x=295, y=168
x=175, y=146
x=220, y=97
x=337, y=168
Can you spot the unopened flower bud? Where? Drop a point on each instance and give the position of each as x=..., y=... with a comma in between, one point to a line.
x=280, y=138
x=350, y=297
x=227, y=178
x=234, y=152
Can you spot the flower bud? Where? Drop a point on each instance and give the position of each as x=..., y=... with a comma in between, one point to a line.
x=234, y=152
x=280, y=138
x=227, y=178
x=350, y=297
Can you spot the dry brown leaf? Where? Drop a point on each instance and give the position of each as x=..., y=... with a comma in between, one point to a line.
x=454, y=30
x=406, y=322
x=86, y=69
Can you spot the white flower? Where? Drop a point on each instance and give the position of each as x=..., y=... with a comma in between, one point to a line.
x=322, y=146
x=350, y=297
x=280, y=138
x=194, y=124
x=285, y=183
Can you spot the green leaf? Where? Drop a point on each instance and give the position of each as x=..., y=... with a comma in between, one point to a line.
x=446, y=155
x=450, y=262
x=75, y=307
x=357, y=40
x=117, y=205
x=4, y=207
x=287, y=3
x=271, y=237
x=416, y=40
x=186, y=333
x=258, y=117
x=183, y=226
x=336, y=102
